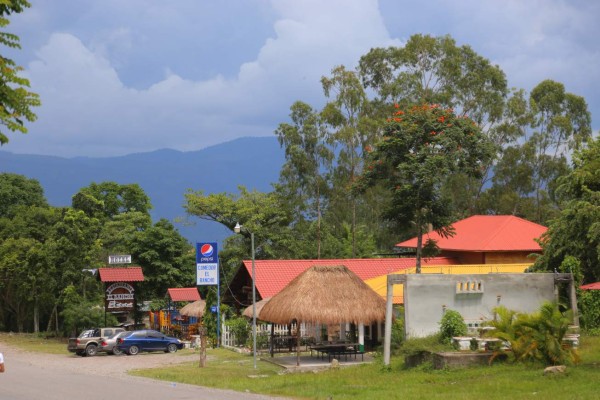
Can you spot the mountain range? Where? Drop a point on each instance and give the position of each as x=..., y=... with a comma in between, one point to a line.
x=165, y=175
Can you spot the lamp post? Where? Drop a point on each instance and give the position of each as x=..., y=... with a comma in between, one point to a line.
x=238, y=229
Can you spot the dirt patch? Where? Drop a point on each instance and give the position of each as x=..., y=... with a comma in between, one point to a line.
x=101, y=364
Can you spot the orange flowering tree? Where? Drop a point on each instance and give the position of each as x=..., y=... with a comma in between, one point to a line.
x=421, y=147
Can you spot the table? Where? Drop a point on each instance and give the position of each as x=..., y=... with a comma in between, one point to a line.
x=336, y=350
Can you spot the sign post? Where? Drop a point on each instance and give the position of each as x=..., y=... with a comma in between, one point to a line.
x=207, y=273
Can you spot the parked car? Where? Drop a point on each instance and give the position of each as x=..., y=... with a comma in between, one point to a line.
x=109, y=345
x=147, y=340
x=86, y=344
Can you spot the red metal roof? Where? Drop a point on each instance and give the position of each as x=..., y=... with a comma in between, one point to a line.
x=273, y=275
x=488, y=233
x=591, y=286
x=183, y=294
x=127, y=274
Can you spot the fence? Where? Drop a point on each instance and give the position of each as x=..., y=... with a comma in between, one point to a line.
x=263, y=330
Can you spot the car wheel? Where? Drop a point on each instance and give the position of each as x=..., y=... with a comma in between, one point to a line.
x=133, y=350
x=116, y=351
x=91, y=350
x=172, y=348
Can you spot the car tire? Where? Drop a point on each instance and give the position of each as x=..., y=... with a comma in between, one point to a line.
x=91, y=350
x=116, y=351
x=172, y=348
x=133, y=350
x=80, y=353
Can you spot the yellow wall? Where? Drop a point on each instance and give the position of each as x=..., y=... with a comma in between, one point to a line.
x=379, y=284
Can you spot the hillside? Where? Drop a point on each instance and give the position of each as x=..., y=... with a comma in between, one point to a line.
x=165, y=176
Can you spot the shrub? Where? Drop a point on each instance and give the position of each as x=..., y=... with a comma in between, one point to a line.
x=452, y=324
x=240, y=328
x=535, y=337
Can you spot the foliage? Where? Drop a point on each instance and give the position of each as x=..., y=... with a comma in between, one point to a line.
x=430, y=344
x=575, y=232
x=421, y=147
x=589, y=307
x=398, y=335
x=535, y=337
x=16, y=101
x=452, y=324
x=80, y=314
x=18, y=190
x=240, y=328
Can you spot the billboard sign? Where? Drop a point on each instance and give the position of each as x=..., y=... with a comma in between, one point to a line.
x=119, y=259
x=207, y=264
x=119, y=297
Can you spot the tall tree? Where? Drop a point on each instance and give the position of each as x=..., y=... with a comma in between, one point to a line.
x=421, y=147
x=17, y=190
x=108, y=199
x=552, y=123
x=16, y=101
x=303, y=177
x=573, y=238
x=352, y=129
x=434, y=70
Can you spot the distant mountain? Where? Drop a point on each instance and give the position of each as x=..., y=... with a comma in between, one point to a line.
x=165, y=176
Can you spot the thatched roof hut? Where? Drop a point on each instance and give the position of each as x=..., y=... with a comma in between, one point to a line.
x=195, y=309
x=328, y=295
x=259, y=305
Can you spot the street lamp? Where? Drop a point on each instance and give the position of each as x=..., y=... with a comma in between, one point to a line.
x=238, y=229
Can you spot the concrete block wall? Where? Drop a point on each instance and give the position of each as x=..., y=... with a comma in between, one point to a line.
x=426, y=296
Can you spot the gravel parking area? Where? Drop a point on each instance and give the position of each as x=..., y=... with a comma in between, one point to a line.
x=101, y=364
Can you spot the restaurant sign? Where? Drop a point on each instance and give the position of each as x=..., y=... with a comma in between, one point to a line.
x=120, y=297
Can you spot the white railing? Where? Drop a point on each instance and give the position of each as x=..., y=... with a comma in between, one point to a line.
x=228, y=338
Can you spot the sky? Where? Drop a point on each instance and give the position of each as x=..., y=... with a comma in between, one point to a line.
x=118, y=77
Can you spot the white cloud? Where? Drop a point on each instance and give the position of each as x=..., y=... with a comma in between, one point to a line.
x=118, y=77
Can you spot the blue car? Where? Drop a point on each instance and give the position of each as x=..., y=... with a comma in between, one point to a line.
x=147, y=340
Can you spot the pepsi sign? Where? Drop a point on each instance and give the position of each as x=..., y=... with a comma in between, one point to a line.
x=207, y=264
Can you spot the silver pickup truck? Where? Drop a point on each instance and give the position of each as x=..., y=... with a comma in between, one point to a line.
x=88, y=342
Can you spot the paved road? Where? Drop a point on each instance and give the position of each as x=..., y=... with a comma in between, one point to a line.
x=31, y=376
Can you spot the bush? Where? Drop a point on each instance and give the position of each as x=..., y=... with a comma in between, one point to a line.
x=240, y=328
x=452, y=324
x=536, y=337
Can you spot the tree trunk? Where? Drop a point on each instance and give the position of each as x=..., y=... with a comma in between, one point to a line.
x=419, y=245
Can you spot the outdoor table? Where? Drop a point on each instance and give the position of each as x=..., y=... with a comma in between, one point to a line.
x=337, y=349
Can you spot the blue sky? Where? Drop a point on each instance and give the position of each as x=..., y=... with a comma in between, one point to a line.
x=118, y=77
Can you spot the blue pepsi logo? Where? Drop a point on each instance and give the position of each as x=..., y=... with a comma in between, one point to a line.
x=207, y=250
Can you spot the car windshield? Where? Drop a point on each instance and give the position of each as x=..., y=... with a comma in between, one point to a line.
x=86, y=334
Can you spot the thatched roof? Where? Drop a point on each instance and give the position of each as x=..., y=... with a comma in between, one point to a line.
x=328, y=295
x=195, y=309
x=259, y=305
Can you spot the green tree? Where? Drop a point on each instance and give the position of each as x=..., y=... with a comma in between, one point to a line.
x=421, y=147
x=435, y=70
x=109, y=199
x=351, y=130
x=552, y=123
x=16, y=101
x=576, y=231
x=302, y=178
x=166, y=258
x=16, y=190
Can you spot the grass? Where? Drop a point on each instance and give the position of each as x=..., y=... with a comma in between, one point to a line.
x=37, y=343
x=230, y=370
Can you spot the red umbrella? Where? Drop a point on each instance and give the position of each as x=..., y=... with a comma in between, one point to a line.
x=591, y=286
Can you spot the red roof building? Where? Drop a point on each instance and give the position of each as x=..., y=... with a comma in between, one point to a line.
x=183, y=294
x=488, y=239
x=126, y=274
x=273, y=275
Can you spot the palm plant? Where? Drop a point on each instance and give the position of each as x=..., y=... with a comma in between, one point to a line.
x=535, y=337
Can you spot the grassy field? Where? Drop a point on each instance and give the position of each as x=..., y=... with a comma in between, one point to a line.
x=229, y=370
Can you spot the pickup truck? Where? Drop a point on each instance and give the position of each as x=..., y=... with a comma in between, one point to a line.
x=88, y=342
